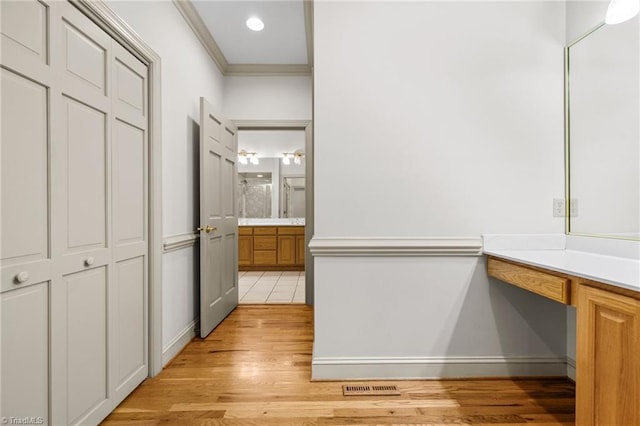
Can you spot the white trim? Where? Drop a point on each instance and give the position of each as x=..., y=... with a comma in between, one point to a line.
x=571, y=368
x=271, y=124
x=339, y=247
x=179, y=342
x=180, y=241
x=199, y=28
x=308, y=29
x=375, y=368
x=104, y=17
x=267, y=69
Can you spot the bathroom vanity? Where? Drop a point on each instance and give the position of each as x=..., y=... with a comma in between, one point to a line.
x=267, y=247
x=605, y=290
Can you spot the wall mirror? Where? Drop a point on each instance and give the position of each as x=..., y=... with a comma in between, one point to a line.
x=603, y=137
x=271, y=174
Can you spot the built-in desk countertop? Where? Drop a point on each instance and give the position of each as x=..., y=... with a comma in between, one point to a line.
x=601, y=278
x=613, y=270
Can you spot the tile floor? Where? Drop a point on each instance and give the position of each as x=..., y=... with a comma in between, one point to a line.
x=271, y=287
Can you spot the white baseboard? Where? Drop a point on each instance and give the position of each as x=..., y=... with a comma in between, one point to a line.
x=179, y=342
x=571, y=368
x=325, y=368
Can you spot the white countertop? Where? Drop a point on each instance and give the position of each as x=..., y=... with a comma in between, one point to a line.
x=619, y=271
x=294, y=221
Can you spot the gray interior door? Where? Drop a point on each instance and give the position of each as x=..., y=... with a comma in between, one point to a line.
x=218, y=218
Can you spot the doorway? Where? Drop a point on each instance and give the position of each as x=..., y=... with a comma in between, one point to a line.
x=274, y=193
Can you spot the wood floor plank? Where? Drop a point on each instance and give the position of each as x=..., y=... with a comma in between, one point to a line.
x=254, y=370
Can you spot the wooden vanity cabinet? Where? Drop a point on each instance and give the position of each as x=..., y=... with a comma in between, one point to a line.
x=245, y=246
x=608, y=358
x=264, y=245
x=607, y=337
x=271, y=248
x=288, y=246
x=301, y=249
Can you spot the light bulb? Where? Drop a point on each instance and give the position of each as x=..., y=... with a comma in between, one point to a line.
x=242, y=159
x=285, y=160
x=297, y=160
x=621, y=10
x=254, y=160
x=255, y=24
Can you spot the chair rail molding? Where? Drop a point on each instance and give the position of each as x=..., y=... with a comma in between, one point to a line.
x=398, y=246
x=180, y=241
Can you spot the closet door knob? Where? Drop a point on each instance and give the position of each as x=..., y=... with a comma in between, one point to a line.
x=89, y=261
x=22, y=277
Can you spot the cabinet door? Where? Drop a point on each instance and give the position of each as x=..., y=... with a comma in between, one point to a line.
x=300, y=249
x=608, y=366
x=245, y=250
x=286, y=249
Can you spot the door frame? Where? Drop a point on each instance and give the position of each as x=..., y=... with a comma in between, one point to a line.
x=105, y=18
x=307, y=126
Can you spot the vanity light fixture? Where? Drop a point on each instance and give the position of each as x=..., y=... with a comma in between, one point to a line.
x=621, y=10
x=255, y=24
x=297, y=157
x=245, y=157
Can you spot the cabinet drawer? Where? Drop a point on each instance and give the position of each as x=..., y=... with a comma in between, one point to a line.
x=547, y=285
x=264, y=243
x=245, y=230
x=264, y=257
x=291, y=230
x=264, y=230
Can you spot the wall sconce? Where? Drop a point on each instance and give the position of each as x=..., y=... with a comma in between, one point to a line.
x=621, y=10
x=245, y=157
x=296, y=156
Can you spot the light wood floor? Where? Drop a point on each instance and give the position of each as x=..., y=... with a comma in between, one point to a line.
x=254, y=369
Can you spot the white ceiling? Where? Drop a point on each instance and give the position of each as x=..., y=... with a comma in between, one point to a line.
x=271, y=143
x=283, y=40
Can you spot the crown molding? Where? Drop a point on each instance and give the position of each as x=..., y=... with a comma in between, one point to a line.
x=267, y=69
x=199, y=28
x=271, y=124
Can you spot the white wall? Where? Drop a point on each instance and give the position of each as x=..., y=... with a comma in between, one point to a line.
x=187, y=74
x=268, y=98
x=583, y=16
x=454, y=112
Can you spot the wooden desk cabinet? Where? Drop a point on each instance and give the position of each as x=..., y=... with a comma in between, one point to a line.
x=608, y=340
x=271, y=248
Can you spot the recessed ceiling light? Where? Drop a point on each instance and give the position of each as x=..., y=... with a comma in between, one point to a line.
x=255, y=24
x=260, y=175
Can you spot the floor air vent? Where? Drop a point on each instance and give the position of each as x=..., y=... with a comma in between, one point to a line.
x=352, y=390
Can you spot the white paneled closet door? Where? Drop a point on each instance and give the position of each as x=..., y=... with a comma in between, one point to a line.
x=74, y=216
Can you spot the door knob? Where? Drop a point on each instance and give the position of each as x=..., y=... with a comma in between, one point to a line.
x=207, y=228
x=22, y=277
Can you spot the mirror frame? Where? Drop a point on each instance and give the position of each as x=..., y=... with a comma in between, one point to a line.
x=567, y=145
